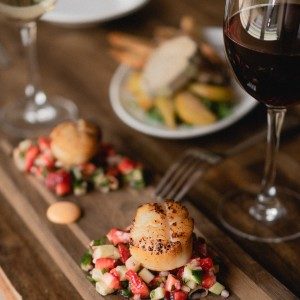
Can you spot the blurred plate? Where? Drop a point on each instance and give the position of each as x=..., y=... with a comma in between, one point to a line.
x=78, y=13
x=133, y=116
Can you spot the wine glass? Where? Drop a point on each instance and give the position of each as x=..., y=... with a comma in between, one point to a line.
x=36, y=112
x=262, y=42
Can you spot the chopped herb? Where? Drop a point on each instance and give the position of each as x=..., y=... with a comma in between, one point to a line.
x=197, y=275
x=124, y=284
x=155, y=115
x=86, y=261
x=101, y=241
x=125, y=293
x=90, y=279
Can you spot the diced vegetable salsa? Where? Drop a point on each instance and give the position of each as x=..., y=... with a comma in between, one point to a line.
x=107, y=172
x=111, y=268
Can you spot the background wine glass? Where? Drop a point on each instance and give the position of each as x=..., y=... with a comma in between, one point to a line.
x=262, y=41
x=36, y=112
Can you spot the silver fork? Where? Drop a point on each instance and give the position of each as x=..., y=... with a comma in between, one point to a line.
x=182, y=174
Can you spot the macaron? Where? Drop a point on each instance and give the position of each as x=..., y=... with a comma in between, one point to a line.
x=63, y=212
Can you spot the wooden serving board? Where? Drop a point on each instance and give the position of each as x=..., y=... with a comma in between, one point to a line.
x=243, y=277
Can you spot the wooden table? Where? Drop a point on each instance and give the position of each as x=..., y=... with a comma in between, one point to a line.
x=40, y=259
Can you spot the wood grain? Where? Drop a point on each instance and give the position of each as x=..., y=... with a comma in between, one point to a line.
x=76, y=64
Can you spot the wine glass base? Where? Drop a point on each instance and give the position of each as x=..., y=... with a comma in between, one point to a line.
x=19, y=119
x=236, y=214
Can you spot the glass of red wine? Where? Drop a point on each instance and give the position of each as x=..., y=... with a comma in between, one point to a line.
x=262, y=42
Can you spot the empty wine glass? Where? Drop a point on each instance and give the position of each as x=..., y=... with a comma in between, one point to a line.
x=36, y=112
x=262, y=41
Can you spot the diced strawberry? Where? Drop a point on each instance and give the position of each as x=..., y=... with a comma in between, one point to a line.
x=105, y=263
x=172, y=283
x=126, y=165
x=88, y=169
x=124, y=252
x=47, y=160
x=38, y=171
x=30, y=157
x=44, y=143
x=155, y=282
x=111, y=281
x=117, y=236
x=137, y=285
x=113, y=171
x=179, y=295
x=179, y=272
x=63, y=188
x=206, y=263
x=208, y=280
x=115, y=273
x=60, y=181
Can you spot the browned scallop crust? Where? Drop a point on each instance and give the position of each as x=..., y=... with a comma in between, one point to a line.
x=161, y=236
x=75, y=143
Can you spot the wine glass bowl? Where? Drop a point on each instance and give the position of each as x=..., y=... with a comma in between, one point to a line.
x=36, y=112
x=262, y=42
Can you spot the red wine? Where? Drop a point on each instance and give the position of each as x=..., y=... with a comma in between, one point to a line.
x=263, y=46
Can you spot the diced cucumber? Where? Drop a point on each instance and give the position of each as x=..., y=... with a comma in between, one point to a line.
x=217, y=288
x=197, y=276
x=86, y=261
x=191, y=284
x=158, y=293
x=76, y=173
x=103, y=289
x=191, y=275
x=185, y=288
x=121, y=271
x=146, y=275
x=96, y=274
x=105, y=251
x=80, y=188
x=132, y=264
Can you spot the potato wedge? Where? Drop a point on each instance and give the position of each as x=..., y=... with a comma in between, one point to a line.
x=212, y=92
x=135, y=88
x=192, y=111
x=167, y=110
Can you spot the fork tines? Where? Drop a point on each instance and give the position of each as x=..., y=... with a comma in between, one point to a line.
x=183, y=173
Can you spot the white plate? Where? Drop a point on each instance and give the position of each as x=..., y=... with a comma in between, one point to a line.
x=88, y=12
x=134, y=117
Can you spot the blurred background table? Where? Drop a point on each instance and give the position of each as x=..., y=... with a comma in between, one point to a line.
x=75, y=63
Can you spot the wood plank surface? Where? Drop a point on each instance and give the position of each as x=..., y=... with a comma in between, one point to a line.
x=76, y=64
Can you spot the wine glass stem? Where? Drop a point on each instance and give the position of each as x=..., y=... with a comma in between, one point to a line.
x=35, y=96
x=268, y=207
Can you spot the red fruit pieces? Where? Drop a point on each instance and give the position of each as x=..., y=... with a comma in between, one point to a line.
x=30, y=156
x=172, y=283
x=206, y=263
x=44, y=143
x=208, y=280
x=126, y=165
x=60, y=181
x=111, y=281
x=124, y=252
x=117, y=236
x=137, y=285
x=105, y=263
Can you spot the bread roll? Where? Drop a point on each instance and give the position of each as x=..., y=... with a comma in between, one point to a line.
x=74, y=143
x=161, y=236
